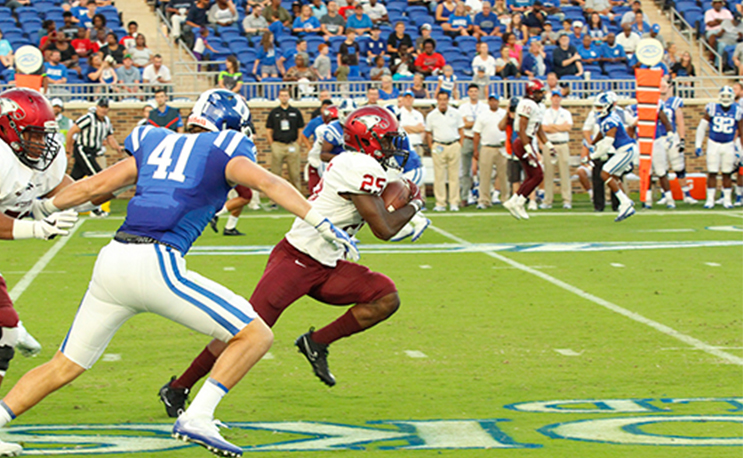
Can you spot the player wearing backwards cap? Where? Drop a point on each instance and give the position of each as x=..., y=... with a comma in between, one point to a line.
x=182, y=179
x=301, y=265
x=725, y=119
x=528, y=125
x=613, y=140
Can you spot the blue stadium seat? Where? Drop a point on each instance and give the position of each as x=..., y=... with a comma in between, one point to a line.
x=313, y=42
x=609, y=68
x=466, y=44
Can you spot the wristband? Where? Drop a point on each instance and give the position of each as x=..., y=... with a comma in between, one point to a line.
x=418, y=204
x=49, y=207
x=313, y=218
x=23, y=229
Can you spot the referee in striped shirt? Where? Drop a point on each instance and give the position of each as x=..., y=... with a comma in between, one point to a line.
x=91, y=130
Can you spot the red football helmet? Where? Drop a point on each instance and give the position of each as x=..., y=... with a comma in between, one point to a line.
x=329, y=113
x=371, y=130
x=28, y=125
x=534, y=86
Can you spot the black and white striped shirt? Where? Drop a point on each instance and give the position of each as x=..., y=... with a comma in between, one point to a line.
x=93, y=131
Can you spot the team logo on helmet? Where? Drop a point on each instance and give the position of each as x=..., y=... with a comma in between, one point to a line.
x=371, y=121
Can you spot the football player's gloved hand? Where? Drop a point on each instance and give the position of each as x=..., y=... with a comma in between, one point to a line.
x=415, y=195
x=41, y=208
x=669, y=141
x=698, y=152
x=7, y=106
x=339, y=238
x=420, y=223
x=682, y=146
x=46, y=229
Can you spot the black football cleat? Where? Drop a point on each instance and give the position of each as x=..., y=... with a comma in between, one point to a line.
x=174, y=399
x=232, y=231
x=317, y=355
x=213, y=224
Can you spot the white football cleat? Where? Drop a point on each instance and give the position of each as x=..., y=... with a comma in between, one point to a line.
x=727, y=205
x=439, y=208
x=567, y=206
x=510, y=205
x=26, y=345
x=205, y=432
x=709, y=205
x=671, y=205
x=738, y=201
x=720, y=200
x=690, y=200
x=532, y=206
x=625, y=211
x=662, y=200
x=10, y=449
x=454, y=208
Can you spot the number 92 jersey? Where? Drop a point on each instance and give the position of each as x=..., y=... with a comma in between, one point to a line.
x=181, y=181
x=723, y=123
x=347, y=173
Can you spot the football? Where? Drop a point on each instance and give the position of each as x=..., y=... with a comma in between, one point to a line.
x=396, y=195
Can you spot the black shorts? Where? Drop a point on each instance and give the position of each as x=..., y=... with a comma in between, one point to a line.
x=514, y=171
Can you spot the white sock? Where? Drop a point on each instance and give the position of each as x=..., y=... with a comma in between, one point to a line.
x=739, y=190
x=590, y=194
x=223, y=211
x=207, y=399
x=231, y=222
x=711, y=195
x=623, y=199
x=686, y=190
x=727, y=193
x=649, y=197
x=669, y=197
x=6, y=415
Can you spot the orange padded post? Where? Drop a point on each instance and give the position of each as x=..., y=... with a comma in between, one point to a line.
x=648, y=94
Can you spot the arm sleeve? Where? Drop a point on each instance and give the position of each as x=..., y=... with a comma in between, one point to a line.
x=701, y=133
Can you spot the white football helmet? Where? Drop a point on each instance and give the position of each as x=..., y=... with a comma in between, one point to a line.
x=345, y=108
x=604, y=103
x=727, y=96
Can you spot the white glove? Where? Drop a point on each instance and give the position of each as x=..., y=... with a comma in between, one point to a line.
x=41, y=208
x=339, y=238
x=46, y=229
x=420, y=223
x=7, y=106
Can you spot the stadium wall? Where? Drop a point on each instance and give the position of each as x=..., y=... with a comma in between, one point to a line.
x=125, y=117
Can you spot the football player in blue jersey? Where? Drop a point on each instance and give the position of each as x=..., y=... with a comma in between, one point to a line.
x=613, y=140
x=182, y=180
x=676, y=159
x=725, y=120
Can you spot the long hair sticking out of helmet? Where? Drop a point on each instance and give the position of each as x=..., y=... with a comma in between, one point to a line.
x=220, y=109
x=29, y=127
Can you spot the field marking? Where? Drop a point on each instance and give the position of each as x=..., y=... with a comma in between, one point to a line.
x=666, y=230
x=693, y=342
x=425, y=266
x=111, y=357
x=713, y=264
x=268, y=355
x=229, y=269
x=514, y=268
x=25, y=282
x=687, y=348
x=616, y=264
x=567, y=352
x=415, y=354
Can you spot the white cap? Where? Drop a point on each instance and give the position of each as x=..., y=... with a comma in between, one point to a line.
x=151, y=103
x=57, y=102
x=577, y=24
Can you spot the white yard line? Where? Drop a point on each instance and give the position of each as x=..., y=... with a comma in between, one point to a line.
x=25, y=282
x=696, y=343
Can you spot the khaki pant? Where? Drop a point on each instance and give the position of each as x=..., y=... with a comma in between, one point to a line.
x=465, y=174
x=490, y=156
x=419, y=150
x=446, y=163
x=563, y=160
x=280, y=153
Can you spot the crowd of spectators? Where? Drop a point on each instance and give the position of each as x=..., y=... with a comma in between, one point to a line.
x=441, y=41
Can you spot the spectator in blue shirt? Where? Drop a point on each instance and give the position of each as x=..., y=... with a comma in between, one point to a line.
x=388, y=91
x=640, y=27
x=520, y=5
x=611, y=52
x=359, y=21
x=534, y=64
x=486, y=22
x=276, y=27
x=459, y=23
x=56, y=72
x=306, y=23
x=590, y=54
x=596, y=28
x=576, y=37
x=376, y=46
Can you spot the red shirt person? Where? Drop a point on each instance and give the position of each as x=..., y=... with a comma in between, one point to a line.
x=429, y=61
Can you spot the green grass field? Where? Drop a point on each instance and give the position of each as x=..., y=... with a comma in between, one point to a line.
x=631, y=334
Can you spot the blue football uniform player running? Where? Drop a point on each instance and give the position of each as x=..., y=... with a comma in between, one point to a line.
x=725, y=120
x=182, y=180
x=613, y=140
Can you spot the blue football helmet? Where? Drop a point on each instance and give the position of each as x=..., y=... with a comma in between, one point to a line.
x=219, y=109
x=604, y=103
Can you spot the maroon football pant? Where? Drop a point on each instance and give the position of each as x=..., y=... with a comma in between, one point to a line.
x=8, y=315
x=313, y=178
x=532, y=169
x=291, y=274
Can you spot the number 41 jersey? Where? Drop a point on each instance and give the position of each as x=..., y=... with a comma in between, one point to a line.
x=347, y=173
x=723, y=123
x=181, y=182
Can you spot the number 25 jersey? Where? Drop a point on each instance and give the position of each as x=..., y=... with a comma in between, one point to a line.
x=181, y=182
x=723, y=123
x=347, y=173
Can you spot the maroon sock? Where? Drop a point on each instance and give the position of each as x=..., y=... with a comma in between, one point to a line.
x=344, y=326
x=200, y=366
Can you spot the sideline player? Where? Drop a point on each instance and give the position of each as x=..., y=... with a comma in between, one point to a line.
x=315, y=166
x=181, y=181
x=613, y=140
x=725, y=119
x=301, y=265
x=528, y=125
x=676, y=151
x=30, y=167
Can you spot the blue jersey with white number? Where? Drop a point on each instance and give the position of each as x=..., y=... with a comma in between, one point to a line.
x=615, y=120
x=334, y=135
x=181, y=182
x=723, y=123
x=672, y=104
